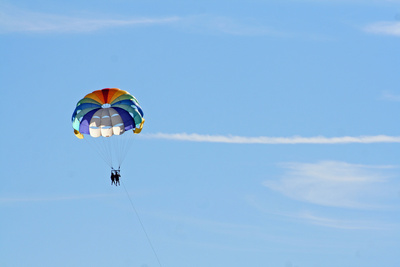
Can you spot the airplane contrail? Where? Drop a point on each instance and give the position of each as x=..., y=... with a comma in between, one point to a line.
x=231, y=139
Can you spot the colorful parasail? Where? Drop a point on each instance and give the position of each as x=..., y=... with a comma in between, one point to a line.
x=107, y=112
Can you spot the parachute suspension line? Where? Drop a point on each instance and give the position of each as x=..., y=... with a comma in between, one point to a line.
x=113, y=150
x=125, y=146
x=103, y=148
x=98, y=151
x=105, y=151
x=100, y=147
x=141, y=224
x=120, y=144
x=108, y=148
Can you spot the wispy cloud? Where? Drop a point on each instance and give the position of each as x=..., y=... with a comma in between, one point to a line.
x=13, y=19
x=333, y=217
x=231, y=26
x=221, y=228
x=273, y=140
x=390, y=96
x=6, y=200
x=336, y=184
x=347, y=224
x=384, y=27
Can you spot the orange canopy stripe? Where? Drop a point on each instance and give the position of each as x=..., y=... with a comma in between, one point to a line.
x=117, y=94
x=110, y=94
x=99, y=94
x=94, y=97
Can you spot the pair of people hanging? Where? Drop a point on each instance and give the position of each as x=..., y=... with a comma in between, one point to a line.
x=115, y=175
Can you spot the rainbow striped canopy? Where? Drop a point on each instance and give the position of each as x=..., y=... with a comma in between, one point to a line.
x=107, y=112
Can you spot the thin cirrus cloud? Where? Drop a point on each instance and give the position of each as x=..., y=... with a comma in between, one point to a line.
x=390, y=96
x=227, y=25
x=13, y=19
x=384, y=28
x=337, y=184
x=5, y=200
x=346, y=224
x=326, y=217
x=273, y=140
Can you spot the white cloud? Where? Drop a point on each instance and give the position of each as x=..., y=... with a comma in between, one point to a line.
x=335, y=184
x=390, y=97
x=5, y=200
x=384, y=27
x=219, y=228
x=16, y=20
x=334, y=217
x=347, y=224
x=350, y=1
x=273, y=140
x=227, y=25
x=13, y=19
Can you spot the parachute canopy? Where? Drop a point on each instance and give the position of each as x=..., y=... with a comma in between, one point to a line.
x=107, y=112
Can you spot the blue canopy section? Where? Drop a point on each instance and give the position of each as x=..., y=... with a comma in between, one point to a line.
x=84, y=126
x=82, y=107
x=129, y=123
x=131, y=103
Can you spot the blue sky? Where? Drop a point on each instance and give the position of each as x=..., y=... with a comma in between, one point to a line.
x=271, y=134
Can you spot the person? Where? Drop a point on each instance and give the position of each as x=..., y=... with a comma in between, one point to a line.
x=117, y=176
x=112, y=177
